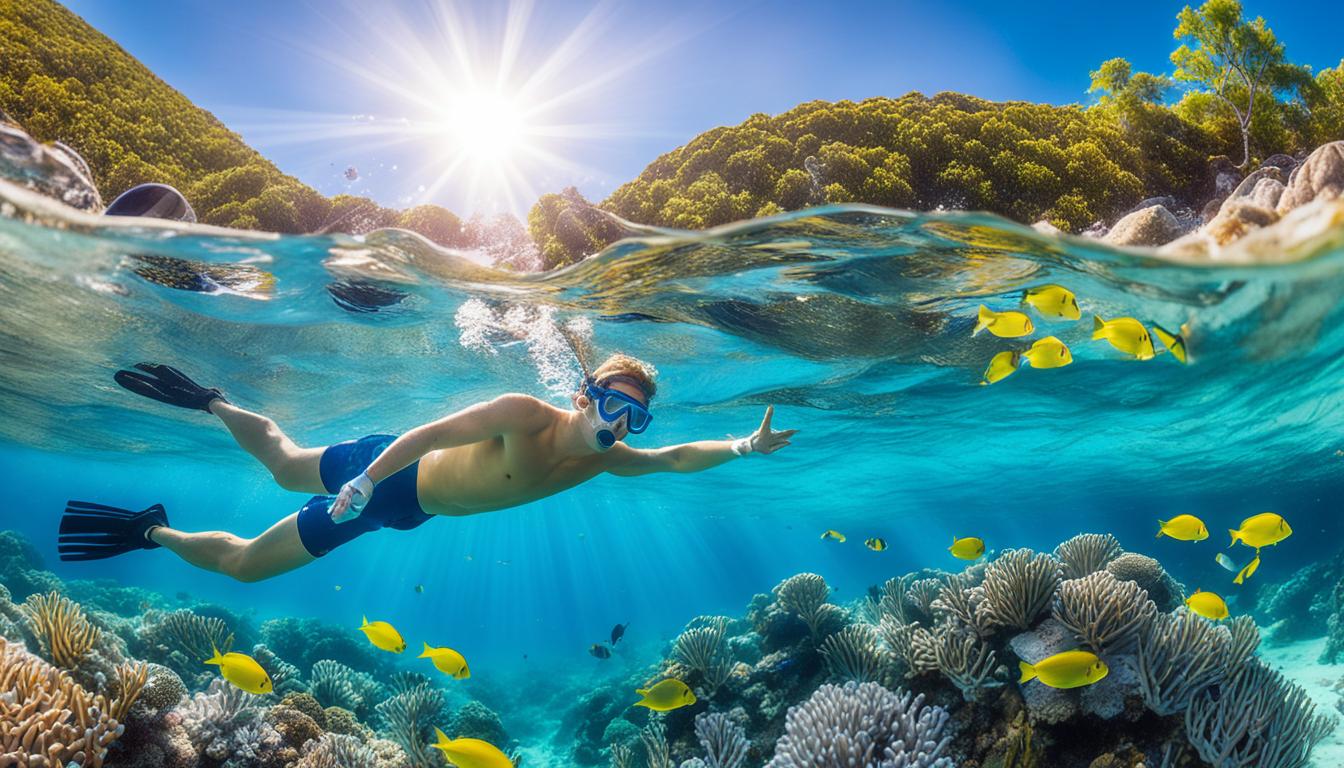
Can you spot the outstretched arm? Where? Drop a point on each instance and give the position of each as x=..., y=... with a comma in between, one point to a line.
x=700, y=455
x=505, y=414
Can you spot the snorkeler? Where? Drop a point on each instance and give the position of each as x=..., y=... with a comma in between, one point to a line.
x=493, y=455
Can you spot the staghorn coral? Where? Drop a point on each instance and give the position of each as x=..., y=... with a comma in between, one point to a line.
x=66, y=634
x=698, y=647
x=197, y=636
x=853, y=653
x=959, y=602
x=966, y=660
x=407, y=719
x=863, y=724
x=657, y=754
x=336, y=685
x=336, y=750
x=131, y=679
x=1018, y=587
x=911, y=645
x=47, y=718
x=1260, y=720
x=805, y=594
x=724, y=740
x=1087, y=553
x=1105, y=613
x=1182, y=654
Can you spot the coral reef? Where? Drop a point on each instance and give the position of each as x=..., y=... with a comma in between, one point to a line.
x=1259, y=720
x=67, y=636
x=1087, y=553
x=723, y=739
x=1105, y=613
x=228, y=725
x=334, y=750
x=863, y=724
x=409, y=717
x=1018, y=587
x=804, y=595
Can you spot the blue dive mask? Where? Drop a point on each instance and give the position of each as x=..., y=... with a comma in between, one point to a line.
x=610, y=405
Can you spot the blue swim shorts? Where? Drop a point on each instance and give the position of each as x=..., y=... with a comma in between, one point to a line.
x=394, y=503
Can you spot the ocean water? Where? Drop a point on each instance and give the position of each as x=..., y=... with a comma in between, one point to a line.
x=854, y=322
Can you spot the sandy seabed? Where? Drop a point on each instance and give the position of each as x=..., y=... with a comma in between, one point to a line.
x=1298, y=662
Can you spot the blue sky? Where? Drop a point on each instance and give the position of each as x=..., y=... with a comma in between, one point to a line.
x=324, y=86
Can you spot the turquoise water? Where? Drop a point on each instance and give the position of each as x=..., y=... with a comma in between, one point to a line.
x=854, y=322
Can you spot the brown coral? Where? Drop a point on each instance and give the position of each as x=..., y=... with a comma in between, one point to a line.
x=46, y=718
x=62, y=626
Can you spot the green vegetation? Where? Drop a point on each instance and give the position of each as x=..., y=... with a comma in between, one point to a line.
x=63, y=80
x=1072, y=165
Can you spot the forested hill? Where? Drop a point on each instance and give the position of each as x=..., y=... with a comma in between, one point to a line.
x=61, y=79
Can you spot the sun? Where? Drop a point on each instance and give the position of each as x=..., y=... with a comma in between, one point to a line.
x=487, y=127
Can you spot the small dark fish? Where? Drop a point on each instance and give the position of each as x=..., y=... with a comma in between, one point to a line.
x=420, y=589
x=617, y=632
x=600, y=651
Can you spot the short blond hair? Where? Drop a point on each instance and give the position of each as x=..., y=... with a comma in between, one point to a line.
x=625, y=365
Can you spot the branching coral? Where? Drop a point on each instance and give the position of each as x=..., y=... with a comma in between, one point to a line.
x=131, y=679
x=724, y=741
x=911, y=645
x=285, y=677
x=959, y=602
x=853, y=653
x=1181, y=654
x=1105, y=613
x=805, y=594
x=622, y=756
x=965, y=659
x=408, y=717
x=863, y=724
x=656, y=752
x=1087, y=553
x=336, y=685
x=65, y=631
x=921, y=594
x=1260, y=720
x=335, y=750
x=697, y=648
x=1018, y=587
x=225, y=723
x=46, y=718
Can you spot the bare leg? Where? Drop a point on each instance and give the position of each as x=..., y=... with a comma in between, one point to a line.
x=294, y=468
x=274, y=552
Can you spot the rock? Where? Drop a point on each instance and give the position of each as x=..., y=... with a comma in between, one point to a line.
x=1046, y=228
x=1285, y=163
x=1236, y=219
x=1224, y=175
x=1246, y=189
x=1107, y=698
x=49, y=171
x=1166, y=201
x=1046, y=704
x=1151, y=226
x=1319, y=177
x=1266, y=193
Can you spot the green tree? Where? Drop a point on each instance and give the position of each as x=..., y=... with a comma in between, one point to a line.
x=1241, y=63
x=1117, y=83
x=435, y=222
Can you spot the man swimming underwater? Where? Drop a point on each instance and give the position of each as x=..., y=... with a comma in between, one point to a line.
x=493, y=455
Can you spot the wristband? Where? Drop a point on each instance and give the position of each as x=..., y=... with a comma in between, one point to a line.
x=741, y=446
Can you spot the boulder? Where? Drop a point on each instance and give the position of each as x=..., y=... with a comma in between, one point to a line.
x=1285, y=163
x=49, y=171
x=1046, y=228
x=1151, y=226
x=1166, y=201
x=1237, y=218
x=1246, y=189
x=1319, y=177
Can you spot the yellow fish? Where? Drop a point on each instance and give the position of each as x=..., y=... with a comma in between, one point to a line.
x=1248, y=571
x=1174, y=344
x=968, y=548
x=470, y=753
x=1125, y=334
x=447, y=661
x=1049, y=352
x=1053, y=301
x=1005, y=325
x=833, y=535
x=1001, y=366
x=666, y=696
x=1208, y=605
x=383, y=636
x=241, y=670
x=1070, y=669
x=1261, y=530
x=875, y=544
x=1183, y=528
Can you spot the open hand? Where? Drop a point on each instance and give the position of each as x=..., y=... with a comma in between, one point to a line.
x=767, y=440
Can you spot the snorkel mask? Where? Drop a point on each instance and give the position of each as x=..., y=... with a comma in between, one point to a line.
x=607, y=407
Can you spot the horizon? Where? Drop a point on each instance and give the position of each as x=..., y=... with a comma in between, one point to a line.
x=320, y=91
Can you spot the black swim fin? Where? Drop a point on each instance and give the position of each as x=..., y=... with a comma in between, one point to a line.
x=168, y=385
x=92, y=531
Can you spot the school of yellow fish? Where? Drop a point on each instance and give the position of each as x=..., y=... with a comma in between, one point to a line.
x=1055, y=302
